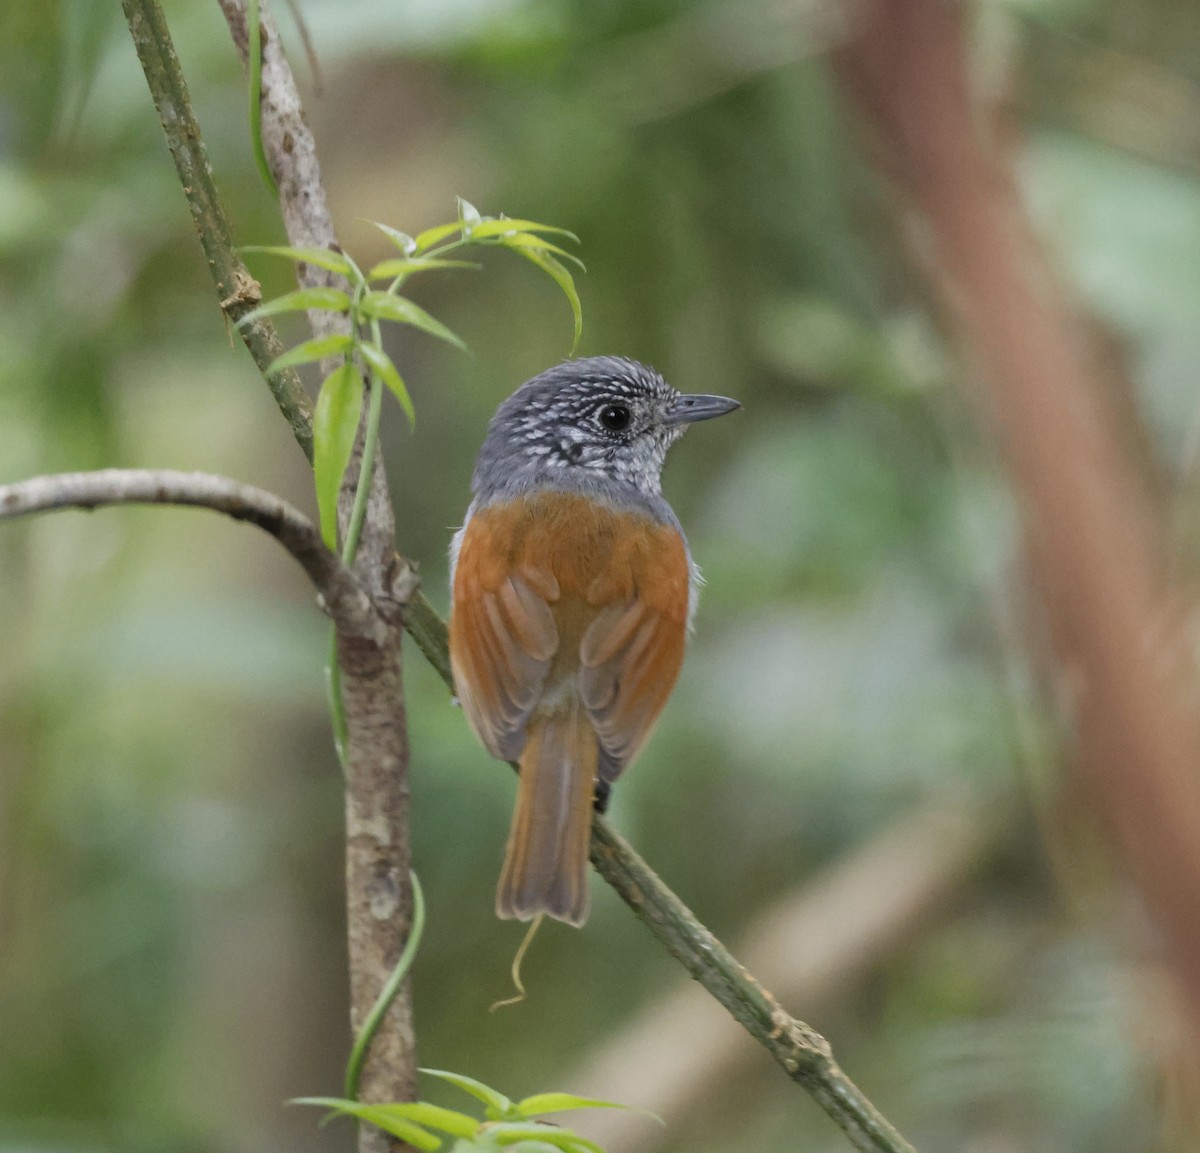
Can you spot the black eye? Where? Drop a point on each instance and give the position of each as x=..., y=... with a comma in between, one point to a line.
x=614, y=417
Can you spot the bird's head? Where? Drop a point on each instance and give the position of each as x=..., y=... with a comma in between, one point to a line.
x=603, y=417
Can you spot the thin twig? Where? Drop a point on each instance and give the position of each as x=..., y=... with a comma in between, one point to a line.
x=339, y=588
x=237, y=291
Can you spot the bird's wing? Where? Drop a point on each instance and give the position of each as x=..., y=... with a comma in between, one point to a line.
x=502, y=640
x=631, y=653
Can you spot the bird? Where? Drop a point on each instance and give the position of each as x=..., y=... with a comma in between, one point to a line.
x=573, y=591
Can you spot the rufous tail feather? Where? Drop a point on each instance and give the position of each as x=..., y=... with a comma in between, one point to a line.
x=546, y=863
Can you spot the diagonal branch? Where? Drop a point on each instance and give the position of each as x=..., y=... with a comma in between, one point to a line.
x=803, y=1053
x=814, y=944
x=343, y=596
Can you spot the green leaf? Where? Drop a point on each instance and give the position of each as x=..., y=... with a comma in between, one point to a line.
x=562, y=278
x=327, y=299
x=432, y=236
x=381, y=1116
x=497, y=1104
x=541, y=1103
x=578, y=1144
x=335, y=422
x=510, y=1132
x=321, y=257
x=386, y=371
x=405, y=267
x=525, y=240
x=435, y=1117
x=316, y=349
x=385, y=306
x=401, y=240
x=503, y=226
x=468, y=214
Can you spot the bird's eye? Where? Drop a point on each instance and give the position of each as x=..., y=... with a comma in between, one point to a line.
x=615, y=417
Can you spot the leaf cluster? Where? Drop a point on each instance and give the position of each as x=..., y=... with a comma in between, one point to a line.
x=377, y=295
x=515, y=1126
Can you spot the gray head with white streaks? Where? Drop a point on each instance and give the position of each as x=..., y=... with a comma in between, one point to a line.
x=589, y=425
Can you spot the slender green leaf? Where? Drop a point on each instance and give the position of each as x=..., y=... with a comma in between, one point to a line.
x=432, y=236
x=578, y=1144
x=541, y=1103
x=563, y=279
x=510, y=1132
x=526, y=240
x=335, y=422
x=503, y=226
x=405, y=267
x=384, y=306
x=382, y=364
x=401, y=240
x=316, y=349
x=480, y=1144
x=321, y=257
x=381, y=1116
x=468, y=214
x=435, y=1117
x=497, y=1104
x=326, y=299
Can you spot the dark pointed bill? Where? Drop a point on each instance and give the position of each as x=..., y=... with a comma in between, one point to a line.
x=689, y=409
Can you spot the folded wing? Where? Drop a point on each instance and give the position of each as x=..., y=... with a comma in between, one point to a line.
x=503, y=640
x=630, y=659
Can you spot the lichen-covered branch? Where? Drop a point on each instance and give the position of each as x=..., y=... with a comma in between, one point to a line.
x=379, y=899
x=378, y=892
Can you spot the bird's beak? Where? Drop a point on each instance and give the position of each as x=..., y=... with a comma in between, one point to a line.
x=689, y=409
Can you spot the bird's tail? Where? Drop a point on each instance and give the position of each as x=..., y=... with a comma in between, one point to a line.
x=546, y=863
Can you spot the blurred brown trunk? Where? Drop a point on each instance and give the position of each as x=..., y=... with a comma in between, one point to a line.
x=1096, y=542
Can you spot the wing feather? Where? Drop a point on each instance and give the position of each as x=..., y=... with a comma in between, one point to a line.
x=502, y=644
x=630, y=657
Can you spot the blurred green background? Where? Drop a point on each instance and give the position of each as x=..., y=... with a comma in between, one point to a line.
x=171, y=948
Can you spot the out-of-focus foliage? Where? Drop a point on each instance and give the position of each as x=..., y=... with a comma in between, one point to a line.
x=171, y=962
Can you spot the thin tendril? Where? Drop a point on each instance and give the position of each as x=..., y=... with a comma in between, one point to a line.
x=254, y=61
x=518, y=960
x=362, y=1043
